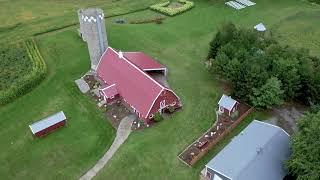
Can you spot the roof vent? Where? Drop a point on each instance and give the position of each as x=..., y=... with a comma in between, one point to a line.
x=259, y=150
x=120, y=54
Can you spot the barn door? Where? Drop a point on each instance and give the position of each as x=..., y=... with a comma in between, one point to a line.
x=162, y=106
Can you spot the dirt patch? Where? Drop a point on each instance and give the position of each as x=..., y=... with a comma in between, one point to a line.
x=287, y=116
x=115, y=112
x=92, y=81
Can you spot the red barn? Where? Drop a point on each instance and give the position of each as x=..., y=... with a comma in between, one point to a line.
x=49, y=124
x=126, y=75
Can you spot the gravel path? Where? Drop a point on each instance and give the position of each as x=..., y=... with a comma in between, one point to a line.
x=123, y=132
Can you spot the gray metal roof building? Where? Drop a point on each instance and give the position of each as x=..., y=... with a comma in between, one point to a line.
x=47, y=122
x=257, y=153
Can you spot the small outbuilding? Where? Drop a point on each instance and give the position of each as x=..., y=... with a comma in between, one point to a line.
x=257, y=153
x=260, y=27
x=109, y=93
x=49, y=124
x=227, y=105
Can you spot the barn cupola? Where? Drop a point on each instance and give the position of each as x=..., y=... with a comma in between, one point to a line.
x=93, y=31
x=120, y=55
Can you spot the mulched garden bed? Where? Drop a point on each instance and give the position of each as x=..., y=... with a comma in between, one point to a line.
x=220, y=129
x=92, y=81
x=115, y=112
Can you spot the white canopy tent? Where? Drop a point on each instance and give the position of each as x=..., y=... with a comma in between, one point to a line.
x=260, y=27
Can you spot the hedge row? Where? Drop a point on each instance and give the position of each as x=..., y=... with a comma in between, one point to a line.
x=29, y=81
x=170, y=11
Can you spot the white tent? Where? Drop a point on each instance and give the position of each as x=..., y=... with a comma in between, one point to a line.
x=260, y=27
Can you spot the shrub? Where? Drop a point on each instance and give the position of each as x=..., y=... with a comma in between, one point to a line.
x=30, y=80
x=171, y=109
x=157, y=117
x=315, y=1
x=171, y=11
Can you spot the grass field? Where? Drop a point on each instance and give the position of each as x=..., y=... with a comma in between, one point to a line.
x=181, y=43
x=15, y=64
x=22, y=18
x=66, y=153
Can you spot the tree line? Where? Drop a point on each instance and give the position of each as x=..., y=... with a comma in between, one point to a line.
x=263, y=72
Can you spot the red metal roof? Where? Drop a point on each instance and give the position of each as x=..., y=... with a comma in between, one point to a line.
x=110, y=91
x=143, y=61
x=134, y=85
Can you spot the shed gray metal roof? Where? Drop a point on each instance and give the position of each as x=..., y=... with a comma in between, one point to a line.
x=227, y=102
x=258, y=152
x=47, y=122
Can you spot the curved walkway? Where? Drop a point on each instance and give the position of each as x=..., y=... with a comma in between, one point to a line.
x=123, y=132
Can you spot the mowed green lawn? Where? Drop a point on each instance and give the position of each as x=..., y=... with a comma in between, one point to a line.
x=21, y=18
x=181, y=43
x=66, y=153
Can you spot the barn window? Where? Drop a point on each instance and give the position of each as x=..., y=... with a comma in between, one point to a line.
x=221, y=109
x=151, y=116
x=174, y=103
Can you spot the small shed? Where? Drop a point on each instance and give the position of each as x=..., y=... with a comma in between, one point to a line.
x=49, y=124
x=227, y=104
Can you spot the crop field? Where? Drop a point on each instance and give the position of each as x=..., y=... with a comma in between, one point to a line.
x=180, y=43
x=15, y=63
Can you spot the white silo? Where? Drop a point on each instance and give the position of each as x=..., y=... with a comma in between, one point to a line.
x=93, y=31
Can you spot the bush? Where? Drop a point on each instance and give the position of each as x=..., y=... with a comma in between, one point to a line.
x=171, y=109
x=315, y=1
x=27, y=82
x=157, y=117
x=170, y=11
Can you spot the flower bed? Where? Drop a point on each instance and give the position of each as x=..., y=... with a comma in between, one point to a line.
x=165, y=7
x=223, y=126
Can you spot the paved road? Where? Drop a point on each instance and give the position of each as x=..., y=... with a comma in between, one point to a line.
x=123, y=132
